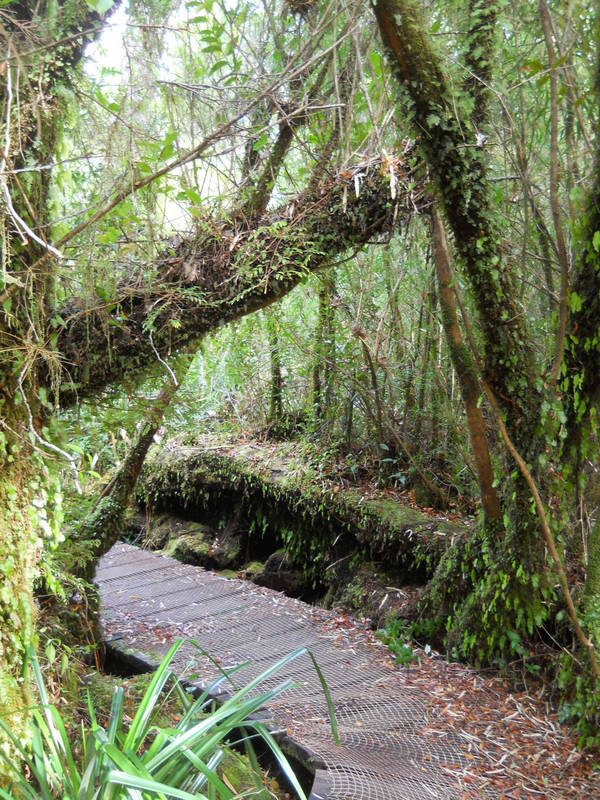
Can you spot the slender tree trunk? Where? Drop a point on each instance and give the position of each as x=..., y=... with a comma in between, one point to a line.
x=317, y=382
x=322, y=376
x=329, y=372
x=434, y=391
x=426, y=364
x=466, y=371
x=276, y=385
x=349, y=412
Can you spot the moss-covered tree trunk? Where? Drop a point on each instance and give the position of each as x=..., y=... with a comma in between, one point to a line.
x=18, y=545
x=508, y=570
x=581, y=365
x=29, y=499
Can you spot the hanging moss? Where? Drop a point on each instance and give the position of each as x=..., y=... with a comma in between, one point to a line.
x=318, y=525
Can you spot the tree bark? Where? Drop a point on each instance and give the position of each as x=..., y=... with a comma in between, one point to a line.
x=29, y=498
x=458, y=167
x=217, y=278
x=466, y=371
x=504, y=588
x=276, y=387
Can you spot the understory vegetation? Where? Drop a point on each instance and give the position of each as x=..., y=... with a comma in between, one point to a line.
x=340, y=263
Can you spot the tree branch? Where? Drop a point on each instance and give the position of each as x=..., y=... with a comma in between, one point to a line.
x=224, y=274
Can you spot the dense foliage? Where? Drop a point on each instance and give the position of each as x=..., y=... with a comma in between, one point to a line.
x=168, y=167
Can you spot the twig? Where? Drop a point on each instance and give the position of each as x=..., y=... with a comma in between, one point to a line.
x=43, y=442
x=164, y=363
x=22, y=227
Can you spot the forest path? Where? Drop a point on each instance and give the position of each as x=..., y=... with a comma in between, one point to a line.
x=402, y=736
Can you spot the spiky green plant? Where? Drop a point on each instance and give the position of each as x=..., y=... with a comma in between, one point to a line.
x=145, y=761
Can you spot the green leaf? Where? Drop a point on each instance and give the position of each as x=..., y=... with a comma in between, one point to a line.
x=148, y=704
x=575, y=303
x=100, y=6
x=168, y=148
x=328, y=698
x=148, y=785
x=375, y=59
x=10, y=279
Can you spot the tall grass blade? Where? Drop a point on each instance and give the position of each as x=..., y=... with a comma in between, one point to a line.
x=147, y=785
x=328, y=698
x=116, y=714
x=274, y=668
x=137, y=731
x=280, y=756
x=254, y=765
x=211, y=765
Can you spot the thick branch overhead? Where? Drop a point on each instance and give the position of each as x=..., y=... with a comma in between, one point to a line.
x=216, y=277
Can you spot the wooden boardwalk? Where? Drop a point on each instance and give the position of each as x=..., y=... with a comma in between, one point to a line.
x=387, y=750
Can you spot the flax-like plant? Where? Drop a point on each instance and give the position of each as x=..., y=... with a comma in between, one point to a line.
x=146, y=761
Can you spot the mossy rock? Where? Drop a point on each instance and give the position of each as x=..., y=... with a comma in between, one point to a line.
x=282, y=575
x=167, y=527
x=229, y=573
x=226, y=550
x=190, y=549
x=372, y=592
x=252, y=569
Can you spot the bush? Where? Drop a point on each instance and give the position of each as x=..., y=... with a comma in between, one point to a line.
x=146, y=761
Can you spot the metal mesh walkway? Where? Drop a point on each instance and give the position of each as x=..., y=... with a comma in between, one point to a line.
x=386, y=751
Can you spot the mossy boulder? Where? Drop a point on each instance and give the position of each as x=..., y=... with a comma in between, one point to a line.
x=281, y=574
x=190, y=549
x=166, y=528
x=373, y=592
x=194, y=542
x=252, y=569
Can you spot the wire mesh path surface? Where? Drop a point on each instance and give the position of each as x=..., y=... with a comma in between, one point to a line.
x=387, y=749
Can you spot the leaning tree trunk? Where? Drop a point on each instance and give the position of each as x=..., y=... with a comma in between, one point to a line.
x=506, y=592
x=214, y=278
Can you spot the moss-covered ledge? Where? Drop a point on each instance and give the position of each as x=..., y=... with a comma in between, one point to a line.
x=320, y=523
